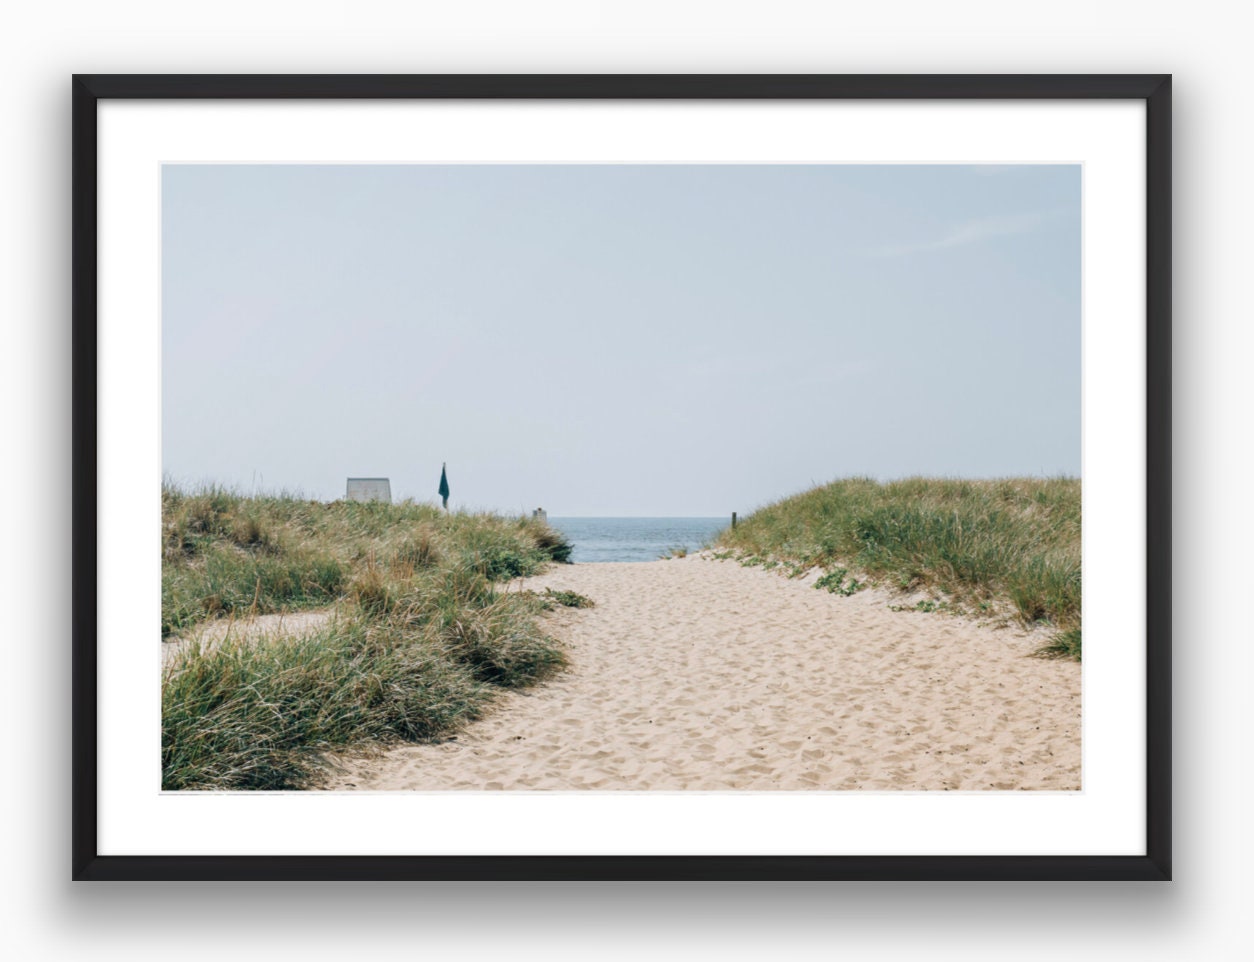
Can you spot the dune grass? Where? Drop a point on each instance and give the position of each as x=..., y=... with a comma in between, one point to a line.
x=567, y=599
x=224, y=553
x=422, y=641
x=1014, y=541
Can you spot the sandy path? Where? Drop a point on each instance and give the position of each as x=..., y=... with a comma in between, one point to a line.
x=249, y=628
x=699, y=674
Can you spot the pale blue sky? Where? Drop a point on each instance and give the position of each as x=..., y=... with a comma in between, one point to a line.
x=618, y=340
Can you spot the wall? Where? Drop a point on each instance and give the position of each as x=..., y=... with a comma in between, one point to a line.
x=1204, y=46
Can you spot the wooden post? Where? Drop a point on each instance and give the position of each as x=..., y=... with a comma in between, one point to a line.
x=733, y=519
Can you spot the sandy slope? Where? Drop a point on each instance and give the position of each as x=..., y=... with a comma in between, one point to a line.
x=250, y=628
x=700, y=674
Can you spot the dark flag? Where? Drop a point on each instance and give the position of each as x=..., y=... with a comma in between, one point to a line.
x=444, y=486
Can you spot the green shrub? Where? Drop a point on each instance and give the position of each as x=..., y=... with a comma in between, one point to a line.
x=569, y=599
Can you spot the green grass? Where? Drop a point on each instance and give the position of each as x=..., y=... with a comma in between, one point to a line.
x=223, y=553
x=423, y=642
x=568, y=599
x=1012, y=540
x=1065, y=644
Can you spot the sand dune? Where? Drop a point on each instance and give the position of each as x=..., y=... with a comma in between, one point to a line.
x=695, y=674
x=250, y=628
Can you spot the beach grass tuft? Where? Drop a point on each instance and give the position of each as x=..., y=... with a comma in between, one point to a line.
x=1065, y=644
x=569, y=599
x=1013, y=540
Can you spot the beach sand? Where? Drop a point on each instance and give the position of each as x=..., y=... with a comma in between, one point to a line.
x=696, y=674
x=248, y=628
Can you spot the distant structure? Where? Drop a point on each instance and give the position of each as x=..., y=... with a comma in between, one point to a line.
x=540, y=514
x=369, y=489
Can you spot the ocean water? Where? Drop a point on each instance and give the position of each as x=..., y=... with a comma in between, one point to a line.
x=634, y=539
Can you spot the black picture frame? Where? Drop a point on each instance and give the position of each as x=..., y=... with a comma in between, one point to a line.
x=1153, y=90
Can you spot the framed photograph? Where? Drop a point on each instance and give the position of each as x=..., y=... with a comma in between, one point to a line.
x=622, y=477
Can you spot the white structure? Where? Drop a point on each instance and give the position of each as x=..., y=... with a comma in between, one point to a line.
x=369, y=489
x=541, y=514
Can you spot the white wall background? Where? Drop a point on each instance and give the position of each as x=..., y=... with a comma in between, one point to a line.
x=43, y=916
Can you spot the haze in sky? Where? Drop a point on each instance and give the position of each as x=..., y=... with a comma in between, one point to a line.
x=608, y=340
